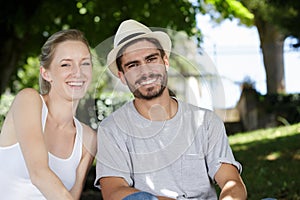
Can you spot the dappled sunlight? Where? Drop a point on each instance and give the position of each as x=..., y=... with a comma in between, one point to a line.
x=273, y=156
x=264, y=135
x=270, y=159
x=240, y=147
x=297, y=155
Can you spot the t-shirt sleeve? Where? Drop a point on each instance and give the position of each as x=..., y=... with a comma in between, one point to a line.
x=112, y=157
x=218, y=148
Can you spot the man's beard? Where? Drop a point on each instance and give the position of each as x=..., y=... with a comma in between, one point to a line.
x=151, y=92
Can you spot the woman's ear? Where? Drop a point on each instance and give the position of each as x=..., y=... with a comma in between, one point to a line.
x=45, y=74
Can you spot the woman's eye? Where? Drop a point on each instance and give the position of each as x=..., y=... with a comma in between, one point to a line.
x=65, y=65
x=86, y=63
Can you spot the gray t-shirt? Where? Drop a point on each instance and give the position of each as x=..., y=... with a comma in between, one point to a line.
x=176, y=158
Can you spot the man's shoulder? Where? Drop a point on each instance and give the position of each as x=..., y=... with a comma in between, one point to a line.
x=188, y=106
x=194, y=110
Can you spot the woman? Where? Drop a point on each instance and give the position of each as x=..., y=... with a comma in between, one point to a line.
x=45, y=152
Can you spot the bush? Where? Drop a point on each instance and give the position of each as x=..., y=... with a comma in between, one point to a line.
x=5, y=101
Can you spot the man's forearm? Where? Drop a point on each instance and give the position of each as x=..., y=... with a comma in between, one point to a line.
x=233, y=190
x=164, y=198
x=120, y=193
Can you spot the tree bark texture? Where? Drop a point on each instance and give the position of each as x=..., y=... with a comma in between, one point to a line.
x=272, y=41
x=9, y=58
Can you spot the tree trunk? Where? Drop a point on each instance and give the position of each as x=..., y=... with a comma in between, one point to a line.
x=272, y=41
x=8, y=62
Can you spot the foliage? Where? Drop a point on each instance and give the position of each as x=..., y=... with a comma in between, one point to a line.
x=271, y=160
x=248, y=83
x=275, y=21
x=282, y=13
x=285, y=106
x=229, y=9
x=27, y=24
x=6, y=100
x=28, y=75
x=109, y=102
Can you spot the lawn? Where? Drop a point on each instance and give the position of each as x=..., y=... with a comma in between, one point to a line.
x=271, y=162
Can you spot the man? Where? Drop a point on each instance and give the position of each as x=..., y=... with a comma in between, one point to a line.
x=156, y=146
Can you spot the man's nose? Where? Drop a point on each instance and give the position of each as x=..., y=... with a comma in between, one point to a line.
x=145, y=69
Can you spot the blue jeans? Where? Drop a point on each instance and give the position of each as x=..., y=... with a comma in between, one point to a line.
x=268, y=198
x=140, y=196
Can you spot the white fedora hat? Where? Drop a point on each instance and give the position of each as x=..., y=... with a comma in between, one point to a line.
x=130, y=30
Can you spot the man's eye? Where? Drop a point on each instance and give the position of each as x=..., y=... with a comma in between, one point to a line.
x=152, y=59
x=132, y=65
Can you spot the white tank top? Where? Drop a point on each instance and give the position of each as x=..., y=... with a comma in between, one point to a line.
x=15, y=182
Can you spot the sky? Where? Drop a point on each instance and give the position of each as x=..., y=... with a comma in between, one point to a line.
x=235, y=51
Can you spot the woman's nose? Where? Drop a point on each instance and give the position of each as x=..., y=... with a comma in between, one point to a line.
x=76, y=70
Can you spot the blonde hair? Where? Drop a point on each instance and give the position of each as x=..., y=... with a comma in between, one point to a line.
x=48, y=50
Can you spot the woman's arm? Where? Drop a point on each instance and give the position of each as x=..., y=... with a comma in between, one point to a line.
x=27, y=111
x=88, y=153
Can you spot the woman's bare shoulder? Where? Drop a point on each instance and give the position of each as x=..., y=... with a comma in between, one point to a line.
x=27, y=99
x=28, y=93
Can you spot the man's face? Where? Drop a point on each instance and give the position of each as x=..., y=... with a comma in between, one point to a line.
x=144, y=70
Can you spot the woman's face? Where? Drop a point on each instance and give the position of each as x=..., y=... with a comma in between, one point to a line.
x=70, y=72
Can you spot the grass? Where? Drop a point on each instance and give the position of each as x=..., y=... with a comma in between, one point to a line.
x=271, y=162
